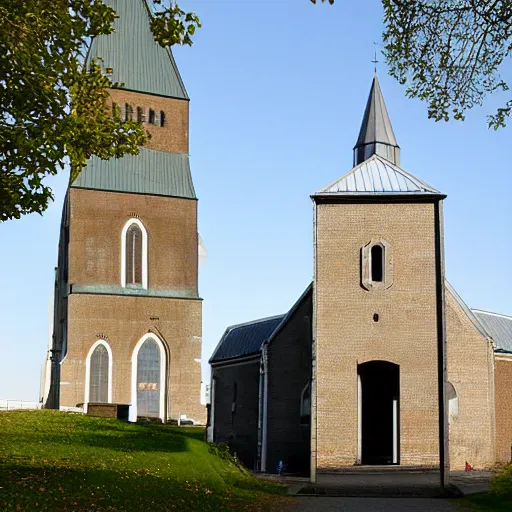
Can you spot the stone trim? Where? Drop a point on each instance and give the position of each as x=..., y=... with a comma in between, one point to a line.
x=366, y=281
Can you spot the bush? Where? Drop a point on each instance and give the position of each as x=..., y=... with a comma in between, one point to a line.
x=502, y=482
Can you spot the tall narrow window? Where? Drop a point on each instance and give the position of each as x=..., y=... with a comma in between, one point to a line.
x=98, y=375
x=162, y=118
x=128, y=112
x=305, y=405
x=151, y=116
x=141, y=117
x=377, y=263
x=149, y=379
x=134, y=256
x=233, y=404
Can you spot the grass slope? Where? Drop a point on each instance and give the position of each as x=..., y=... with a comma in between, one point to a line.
x=51, y=460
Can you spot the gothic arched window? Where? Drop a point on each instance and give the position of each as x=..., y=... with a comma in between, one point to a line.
x=99, y=373
x=134, y=257
x=150, y=379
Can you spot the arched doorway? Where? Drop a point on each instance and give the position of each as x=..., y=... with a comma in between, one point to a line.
x=149, y=379
x=379, y=412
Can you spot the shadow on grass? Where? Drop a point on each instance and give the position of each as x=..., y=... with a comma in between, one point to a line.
x=27, y=488
x=110, y=434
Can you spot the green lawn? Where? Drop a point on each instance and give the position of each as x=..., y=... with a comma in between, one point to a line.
x=51, y=460
x=487, y=501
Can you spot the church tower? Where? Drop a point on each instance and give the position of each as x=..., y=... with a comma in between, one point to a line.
x=127, y=319
x=379, y=337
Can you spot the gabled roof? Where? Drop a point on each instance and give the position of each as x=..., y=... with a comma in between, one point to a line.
x=377, y=176
x=136, y=59
x=499, y=327
x=245, y=339
x=150, y=172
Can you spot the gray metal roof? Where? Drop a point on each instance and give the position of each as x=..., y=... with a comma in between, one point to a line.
x=377, y=175
x=149, y=172
x=245, y=339
x=499, y=327
x=376, y=133
x=136, y=59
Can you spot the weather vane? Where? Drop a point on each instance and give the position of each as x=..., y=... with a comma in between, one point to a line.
x=375, y=60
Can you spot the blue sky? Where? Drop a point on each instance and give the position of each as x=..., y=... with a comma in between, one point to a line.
x=278, y=89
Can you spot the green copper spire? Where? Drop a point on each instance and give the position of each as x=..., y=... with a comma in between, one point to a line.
x=136, y=59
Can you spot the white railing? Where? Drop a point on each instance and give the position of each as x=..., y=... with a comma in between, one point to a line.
x=12, y=405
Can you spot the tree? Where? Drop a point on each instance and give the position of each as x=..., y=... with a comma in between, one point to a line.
x=448, y=53
x=52, y=107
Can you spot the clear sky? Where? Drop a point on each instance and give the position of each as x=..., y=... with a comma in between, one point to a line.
x=278, y=89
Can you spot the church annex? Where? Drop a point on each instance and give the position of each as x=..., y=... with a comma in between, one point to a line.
x=379, y=361
x=127, y=314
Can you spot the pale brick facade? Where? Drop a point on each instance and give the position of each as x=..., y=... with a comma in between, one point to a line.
x=401, y=370
x=347, y=335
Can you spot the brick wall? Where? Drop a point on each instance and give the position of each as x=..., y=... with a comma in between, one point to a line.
x=239, y=430
x=173, y=136
x=289, y=370
x=503, y=390
x=347, y=335
x=97, y=220
x=470, y=371
x=122, y=321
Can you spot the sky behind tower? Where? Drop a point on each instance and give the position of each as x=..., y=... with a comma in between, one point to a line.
x=278, y=90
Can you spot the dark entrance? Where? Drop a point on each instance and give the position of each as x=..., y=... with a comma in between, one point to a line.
x=379, y=412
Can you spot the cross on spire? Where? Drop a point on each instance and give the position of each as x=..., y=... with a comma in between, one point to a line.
x=375, y=60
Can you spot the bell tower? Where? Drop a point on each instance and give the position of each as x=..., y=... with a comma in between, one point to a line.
x=379, y=336
x=127, y=322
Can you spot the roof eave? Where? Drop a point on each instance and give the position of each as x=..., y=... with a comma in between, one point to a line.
x=377, y=196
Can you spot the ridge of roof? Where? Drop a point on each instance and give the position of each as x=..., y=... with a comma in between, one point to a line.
x=377, y=175
x=137, y=61
x=500, y=328
x=482, y=311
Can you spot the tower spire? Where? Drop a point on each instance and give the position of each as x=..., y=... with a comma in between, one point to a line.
x=376, y=136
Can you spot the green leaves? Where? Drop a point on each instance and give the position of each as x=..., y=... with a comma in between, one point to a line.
x=53, y=112
x=171, y=25
x=448, y=54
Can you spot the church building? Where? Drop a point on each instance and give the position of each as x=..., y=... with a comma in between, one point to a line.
x=379, y=362
x=127, y=312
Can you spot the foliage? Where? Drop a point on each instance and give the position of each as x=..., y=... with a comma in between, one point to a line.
x=50, y=460
x=501, y=483
x=52, y=108
x=448, y=53
x=499, y=499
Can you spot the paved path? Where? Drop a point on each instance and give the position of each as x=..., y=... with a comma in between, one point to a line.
x=312, y=504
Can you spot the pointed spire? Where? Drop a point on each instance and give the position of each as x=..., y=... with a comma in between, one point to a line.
x=376, y=136
x=134, y=57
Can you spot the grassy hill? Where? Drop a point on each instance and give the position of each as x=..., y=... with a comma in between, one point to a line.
x=51, y=460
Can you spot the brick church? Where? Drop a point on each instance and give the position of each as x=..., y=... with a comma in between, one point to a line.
x=127, y=324
x=379, y=362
